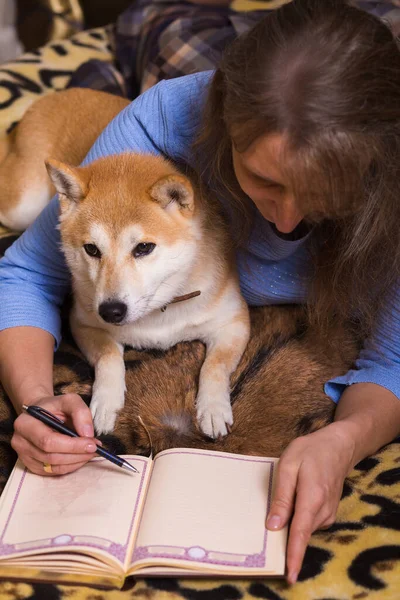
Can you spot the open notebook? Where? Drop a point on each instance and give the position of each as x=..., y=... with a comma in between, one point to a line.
x=187, y=512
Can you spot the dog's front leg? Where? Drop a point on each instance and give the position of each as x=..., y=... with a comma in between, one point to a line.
x=225, y=348
x=106, y=356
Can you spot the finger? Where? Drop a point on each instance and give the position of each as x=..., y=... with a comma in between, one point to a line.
x=81, y=417
x=283, y=498
x=325, y=526
x=299, y=536
x=327, y=516
x=37, y=467
x=61, y=459
x=25, y=448
x=32, y=465
x=47, y=440
x=305, y=520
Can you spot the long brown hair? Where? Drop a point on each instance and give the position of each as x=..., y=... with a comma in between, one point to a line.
x=326, y=75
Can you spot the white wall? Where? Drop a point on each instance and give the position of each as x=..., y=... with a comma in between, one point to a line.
x=9, y=44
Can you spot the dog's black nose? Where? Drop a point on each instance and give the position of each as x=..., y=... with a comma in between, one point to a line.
x=113, y=312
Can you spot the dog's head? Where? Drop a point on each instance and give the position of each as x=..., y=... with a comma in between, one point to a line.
x=129, y=231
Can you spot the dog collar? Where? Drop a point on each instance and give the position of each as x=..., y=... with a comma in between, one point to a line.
x=181, y=299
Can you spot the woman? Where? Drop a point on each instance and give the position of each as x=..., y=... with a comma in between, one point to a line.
x=300, y=138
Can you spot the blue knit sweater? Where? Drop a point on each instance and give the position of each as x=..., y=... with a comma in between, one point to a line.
x=34, y=278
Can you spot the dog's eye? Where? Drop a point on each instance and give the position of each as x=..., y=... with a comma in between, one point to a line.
x=92, y=250
x=143, y=249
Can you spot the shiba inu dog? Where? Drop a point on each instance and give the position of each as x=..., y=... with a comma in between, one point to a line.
x=151, y=266
x=150, y=256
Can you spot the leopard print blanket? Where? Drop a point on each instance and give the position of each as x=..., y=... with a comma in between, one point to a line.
x=359, y=556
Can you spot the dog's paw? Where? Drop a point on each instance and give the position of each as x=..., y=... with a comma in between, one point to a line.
x=104, y=418
x=105, y=406
x=214, y=417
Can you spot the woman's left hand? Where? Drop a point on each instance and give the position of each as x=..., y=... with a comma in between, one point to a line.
x=310, y=479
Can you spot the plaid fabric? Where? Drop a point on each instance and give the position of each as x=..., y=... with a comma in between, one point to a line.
x=99, y=75
x=387, y=10
x=162, y=40
x=166, y=39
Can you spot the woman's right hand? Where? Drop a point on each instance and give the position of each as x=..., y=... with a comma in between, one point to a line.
x=37, y=444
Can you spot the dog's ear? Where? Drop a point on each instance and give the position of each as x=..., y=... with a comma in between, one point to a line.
x=68, y=181
x=173, y=189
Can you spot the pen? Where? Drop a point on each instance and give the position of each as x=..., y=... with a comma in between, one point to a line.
x=55, y=423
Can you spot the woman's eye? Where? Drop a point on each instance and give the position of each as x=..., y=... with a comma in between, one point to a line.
x=92, y=250
x=269, y=184
x=143, y=249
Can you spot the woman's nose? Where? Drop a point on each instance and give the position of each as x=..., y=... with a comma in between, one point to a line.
x=287, y=216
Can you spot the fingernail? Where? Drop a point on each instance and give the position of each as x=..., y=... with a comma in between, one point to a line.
x=87, y=431
x=90, y=448
x=274, y=522
x=292, y=577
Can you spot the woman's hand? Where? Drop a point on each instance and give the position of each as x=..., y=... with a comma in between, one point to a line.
x=37, y=444
x=312, y=469
x=310, y=480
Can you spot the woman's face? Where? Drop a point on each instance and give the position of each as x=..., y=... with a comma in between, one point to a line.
x=261, y=178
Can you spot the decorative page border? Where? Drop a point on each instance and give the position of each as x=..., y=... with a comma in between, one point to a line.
x=65, y=540
x=200, y=555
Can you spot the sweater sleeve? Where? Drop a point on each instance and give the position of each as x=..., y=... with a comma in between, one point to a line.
x=379, y=360
x=34, y=277
x=163, y=120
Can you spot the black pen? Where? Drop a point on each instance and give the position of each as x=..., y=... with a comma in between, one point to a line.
x=55, y=423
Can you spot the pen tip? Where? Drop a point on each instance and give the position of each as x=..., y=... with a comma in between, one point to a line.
x=130, y=467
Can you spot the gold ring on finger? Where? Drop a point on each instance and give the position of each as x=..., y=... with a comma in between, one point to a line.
x=47, y=468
